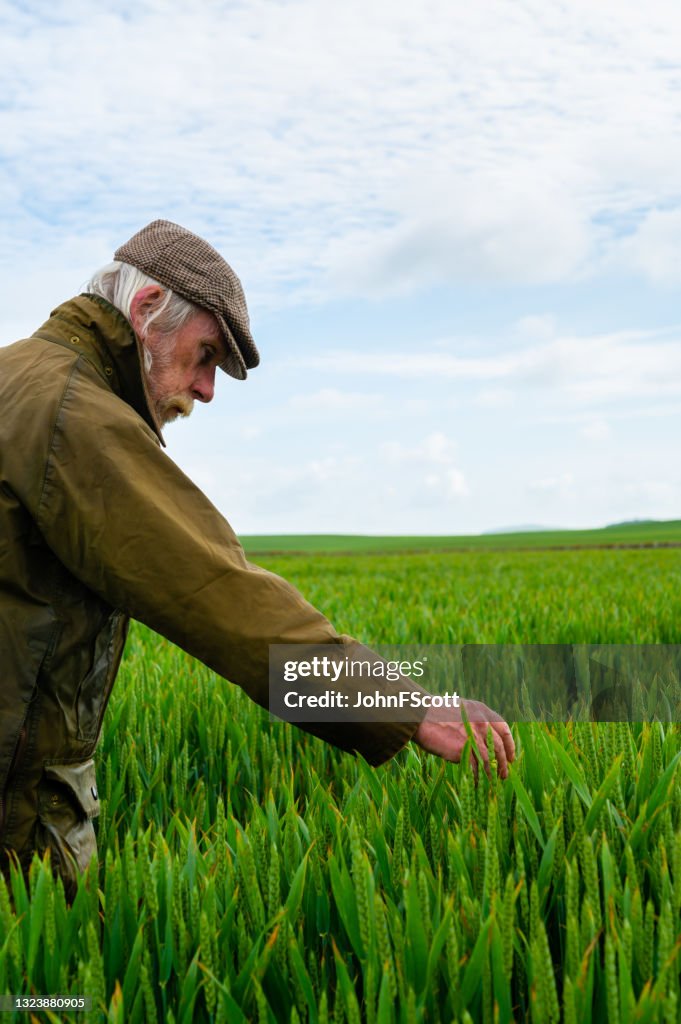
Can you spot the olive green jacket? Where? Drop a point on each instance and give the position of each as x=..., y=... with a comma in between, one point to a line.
x=98, y=524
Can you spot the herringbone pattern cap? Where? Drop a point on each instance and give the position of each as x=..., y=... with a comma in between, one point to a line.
x=191, y=267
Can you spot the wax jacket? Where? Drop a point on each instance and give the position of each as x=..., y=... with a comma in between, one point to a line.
x=98, y=524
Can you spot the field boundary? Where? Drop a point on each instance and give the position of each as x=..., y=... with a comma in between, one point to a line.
x=461, y=550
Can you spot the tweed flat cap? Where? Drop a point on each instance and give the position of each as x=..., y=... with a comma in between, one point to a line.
x=191, y=267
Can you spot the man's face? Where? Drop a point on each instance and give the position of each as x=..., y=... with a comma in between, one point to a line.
x=183, y=366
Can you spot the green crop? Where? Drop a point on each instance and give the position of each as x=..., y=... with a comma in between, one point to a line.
x=248, y=872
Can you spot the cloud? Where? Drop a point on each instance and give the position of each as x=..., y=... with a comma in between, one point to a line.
x=598, y=368
x=551, y=485
x=596, y=430
x=536, y=327
x=654, y=248
x=330, y=401
x=432, y=461
x=452, y=482
x=348, y=148
x=341, y=152
x=508, y=227
x=249, y=431
x=436, y=448
x=380, y=488
x=494, y=398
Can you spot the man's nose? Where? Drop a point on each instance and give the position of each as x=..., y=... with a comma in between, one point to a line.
x=204, y=385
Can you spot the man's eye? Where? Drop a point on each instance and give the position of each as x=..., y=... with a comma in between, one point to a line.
x=208, y=354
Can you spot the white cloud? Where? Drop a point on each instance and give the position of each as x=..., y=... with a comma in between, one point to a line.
x=494, y=398
x=596, y=430
x=451, y=482
x=536, y=327
x=505, y=226
x=652, y=493
x=331, y=401
x=599, y=368
x=373, y=148
x=560, y=484
x=431, y=461
x=357, y=147
x=249, y=431
x=436, y=448
x=654, y=248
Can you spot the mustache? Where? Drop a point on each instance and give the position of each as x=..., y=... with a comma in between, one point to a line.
x=173, y=406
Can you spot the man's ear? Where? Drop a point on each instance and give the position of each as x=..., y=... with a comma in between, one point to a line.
x=143, y=303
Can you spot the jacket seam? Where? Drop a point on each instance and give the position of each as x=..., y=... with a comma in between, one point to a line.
x=93, y=358
x=50, y=447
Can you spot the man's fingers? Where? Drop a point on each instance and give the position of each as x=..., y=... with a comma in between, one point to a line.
x=501, y=751
x=480, y=736
x=507, y=739
x=447, y=739
x=481, y=718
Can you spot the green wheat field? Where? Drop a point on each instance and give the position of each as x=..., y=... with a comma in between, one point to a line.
x=248, y=872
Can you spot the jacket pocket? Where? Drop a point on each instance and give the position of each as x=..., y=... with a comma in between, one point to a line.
x=67, y=803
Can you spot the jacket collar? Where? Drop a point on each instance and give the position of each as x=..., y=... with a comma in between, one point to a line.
x=106, y=339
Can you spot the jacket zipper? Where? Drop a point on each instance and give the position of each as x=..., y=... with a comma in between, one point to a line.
x=16, y=760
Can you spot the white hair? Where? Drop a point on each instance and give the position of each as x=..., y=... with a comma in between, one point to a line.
x=118, y=283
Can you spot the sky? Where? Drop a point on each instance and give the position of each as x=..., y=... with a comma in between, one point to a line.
x=458, y=227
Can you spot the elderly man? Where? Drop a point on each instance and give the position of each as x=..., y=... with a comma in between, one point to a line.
x=97, y=524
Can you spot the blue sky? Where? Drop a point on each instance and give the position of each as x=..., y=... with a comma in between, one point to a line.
x=458, y=227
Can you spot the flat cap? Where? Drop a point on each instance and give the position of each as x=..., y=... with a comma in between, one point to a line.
x=188, y=265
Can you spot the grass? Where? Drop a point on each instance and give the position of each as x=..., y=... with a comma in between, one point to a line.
x=251, y=873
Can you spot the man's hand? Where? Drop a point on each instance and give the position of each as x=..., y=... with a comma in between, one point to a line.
x=443, y=732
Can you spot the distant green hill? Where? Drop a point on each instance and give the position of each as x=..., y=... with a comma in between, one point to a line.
x=649, y=533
